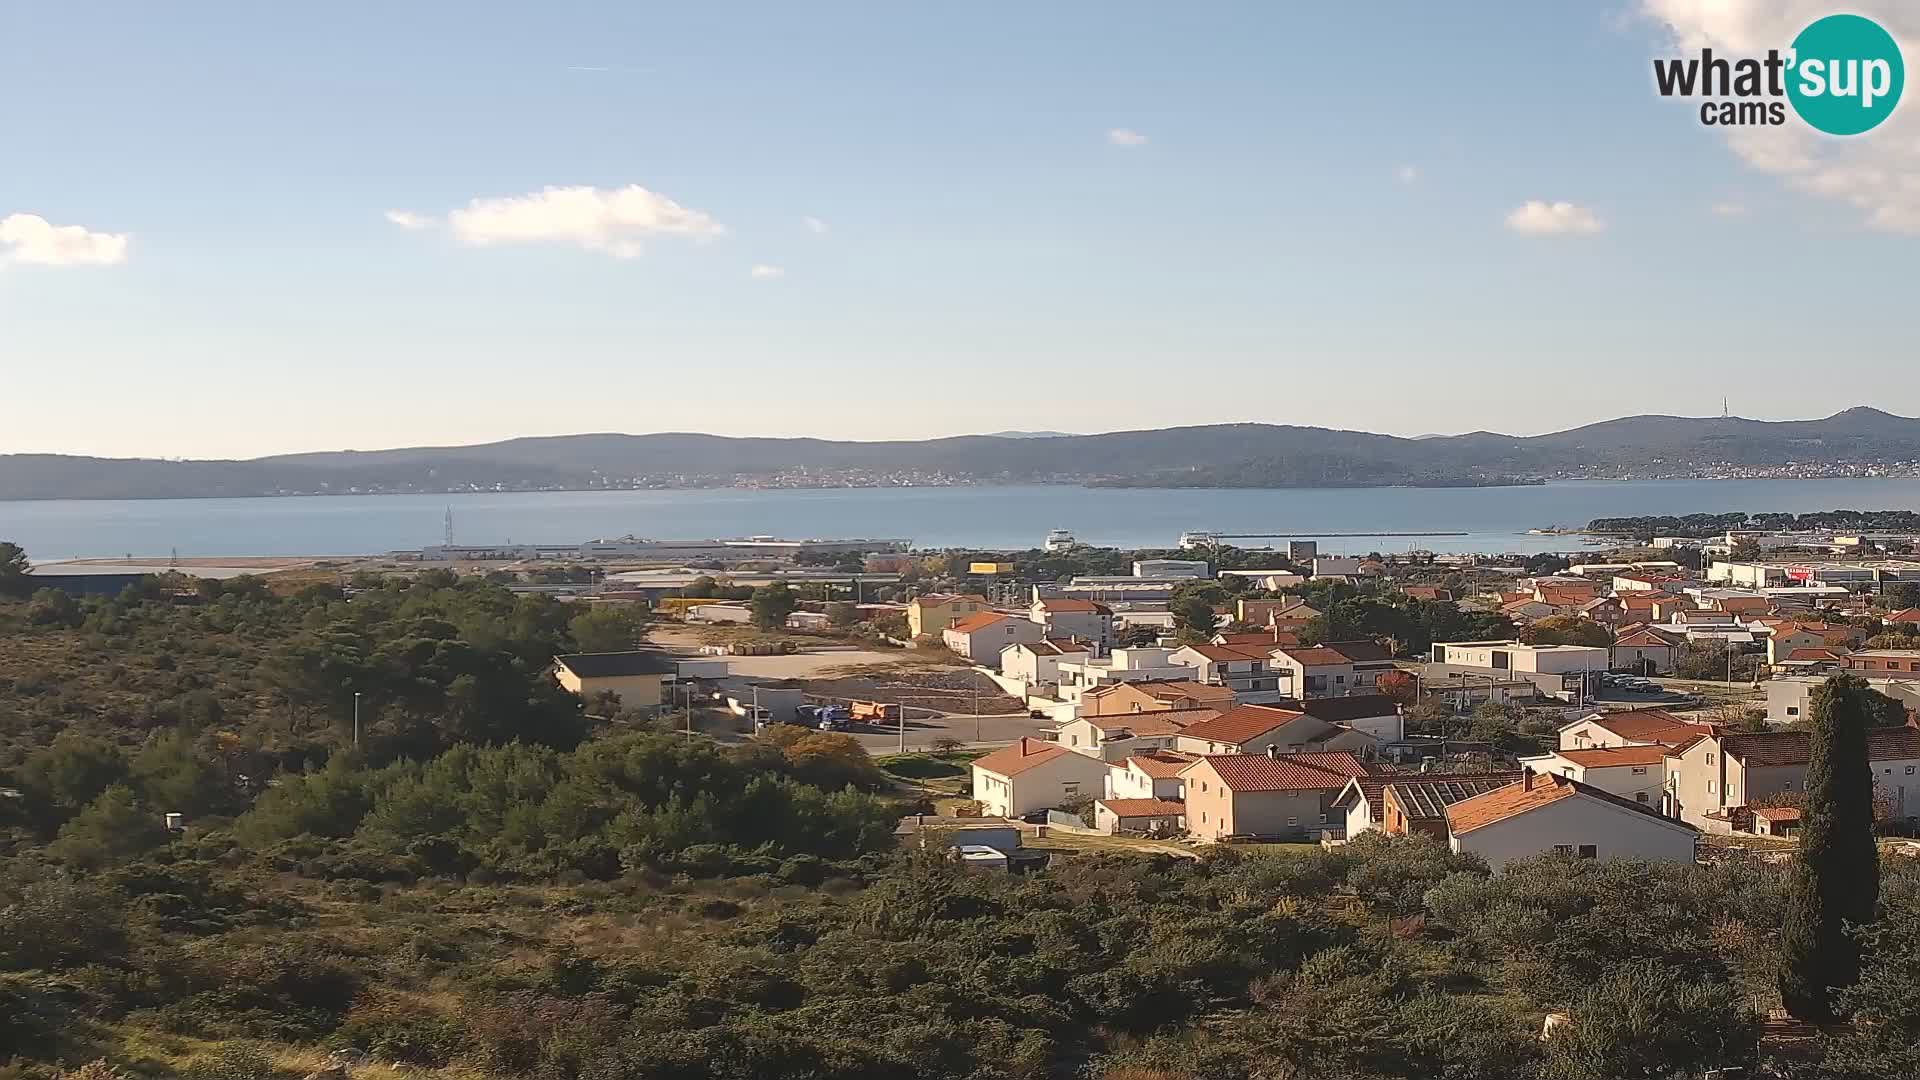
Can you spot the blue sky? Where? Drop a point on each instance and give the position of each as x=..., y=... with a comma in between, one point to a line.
x=1309, y=225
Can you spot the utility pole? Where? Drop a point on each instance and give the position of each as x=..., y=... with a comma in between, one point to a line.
x=689, y=712
x=976, y=708
x=901, y=716
x=356, y=719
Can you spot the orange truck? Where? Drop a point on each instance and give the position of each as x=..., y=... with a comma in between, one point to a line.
x=874, y=712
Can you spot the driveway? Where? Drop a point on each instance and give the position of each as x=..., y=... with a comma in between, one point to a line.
x=924, y=728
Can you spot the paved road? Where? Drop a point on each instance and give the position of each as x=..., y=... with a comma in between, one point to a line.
x=923, y=729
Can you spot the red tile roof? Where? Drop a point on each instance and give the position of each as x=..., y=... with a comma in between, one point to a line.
x=1219, y=653
x=1127, y=808
x=1532, y=793
x=1777, y=813
x=977, y=621
x=1243, y=723
x=1316, y=656
x=1021, y=756
x=1651, y=725
x=1153, y=722
x=1818, y=655
x=1771, y=748
x=1905, y=615
x=1286, y=772
x=1608, y=757
x=1174, y=689
x=1161, y=765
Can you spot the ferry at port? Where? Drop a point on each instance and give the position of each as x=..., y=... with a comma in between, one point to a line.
x=739, y=549
x=1059, y=540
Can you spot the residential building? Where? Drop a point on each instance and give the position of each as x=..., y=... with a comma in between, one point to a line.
x=1374, y=714
x=1715, y=774
x=930, y=614
x=1789, y=697
x=1416, y=805
x=1270, y=580
x=634, y=678
x=1171, y=568
x=1259, y=729
x=1242, y=669
x=1279, y=796
x=1885, y=663
x=1332, y=669
x=980, y=637
x=1542, y=813
x=1267, y=637
x=1115, y=738
x=1078, y=677
x=1644, y=651
x=1630, y=727
x=1635, y=773
x=1036, y=664
x=1034, y=775
x=1084, y=620
x=1363, y=800
x=1335, y=566
x=1154, y=816
x=1562, y=671
x=1150, y=774
x=1528, y=610
x=1264, y=612
x=1153, y=696
x=1433, y=593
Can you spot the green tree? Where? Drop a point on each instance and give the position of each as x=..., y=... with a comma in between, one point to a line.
x=53, y=607
x=13, y=570
x=772, y=604
x=112, y=828
x=1567, y=630
x=605, y=628
x=1836, y=879
x=842, y=614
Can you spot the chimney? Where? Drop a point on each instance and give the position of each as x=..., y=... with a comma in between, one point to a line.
x=1273, y=751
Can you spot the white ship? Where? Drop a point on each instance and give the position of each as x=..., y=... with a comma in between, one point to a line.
x=1059, y=540
x=1191, y=540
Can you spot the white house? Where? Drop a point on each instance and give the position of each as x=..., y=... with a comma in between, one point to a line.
x=1084, y=620
x=1139, y=815
x=1122, y=665
x=1035, y=775
x=1635, y=773
x=1631, y=727
x=1543, y=813
x=1036, y=664
x=980, y=637
x=1243, y=669
x=1151, y=774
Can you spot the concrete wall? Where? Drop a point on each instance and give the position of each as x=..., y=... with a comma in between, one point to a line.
x=634, y=691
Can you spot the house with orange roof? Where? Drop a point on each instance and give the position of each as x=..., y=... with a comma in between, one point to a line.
x=1157, y=817
x=1150, y=774
x=1115, y=738
x=1364, y=803
x=980, y=637
x=1644, y=650
x=1630, y=727
x=1904, y=617
x=1035, y=775
x=1243, y=669
x=1260, y=729
x=1153, y=695
x=1331, y=669
x=1036, y=664
x=1638, y=773
x=1711, y=777
x=1543, y=813
x=1267, y=795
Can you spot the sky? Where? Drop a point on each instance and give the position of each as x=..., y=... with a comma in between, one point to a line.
x=235, y=229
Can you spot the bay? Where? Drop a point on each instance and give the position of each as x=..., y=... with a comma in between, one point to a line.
x=1493, y=519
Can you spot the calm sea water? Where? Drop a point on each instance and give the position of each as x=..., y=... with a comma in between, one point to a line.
x=1495, y=519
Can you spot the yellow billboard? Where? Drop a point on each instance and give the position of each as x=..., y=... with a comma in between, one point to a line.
x=990, y=568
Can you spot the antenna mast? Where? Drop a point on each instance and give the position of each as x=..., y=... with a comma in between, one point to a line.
x=449, y=526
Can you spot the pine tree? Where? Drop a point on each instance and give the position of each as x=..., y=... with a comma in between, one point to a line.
x=1836, y=879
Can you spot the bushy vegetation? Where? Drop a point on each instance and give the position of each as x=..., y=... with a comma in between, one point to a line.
x=493, y=884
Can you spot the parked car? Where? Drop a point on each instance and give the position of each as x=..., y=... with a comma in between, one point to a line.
x=1038, y=714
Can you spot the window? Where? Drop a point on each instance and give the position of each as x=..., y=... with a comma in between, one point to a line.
x=1563, y=849
x=1640, y=796
x=1639, y=770
x=1709, y=758
x=1909, y=770
x=1793, y=710
x=1203, y=817
x=1293, y=822
x=1709, y=787
x=1323, y=819
x=1070, y=790
x=1589, y=851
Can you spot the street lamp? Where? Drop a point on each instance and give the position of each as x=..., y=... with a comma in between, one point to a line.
x=356, y=719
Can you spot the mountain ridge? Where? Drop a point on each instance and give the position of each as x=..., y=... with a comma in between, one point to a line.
x=1228, y=455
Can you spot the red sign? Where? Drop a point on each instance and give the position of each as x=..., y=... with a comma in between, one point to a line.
x=1800, y=573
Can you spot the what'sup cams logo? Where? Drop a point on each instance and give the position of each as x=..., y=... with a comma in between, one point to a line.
x=1843, y=75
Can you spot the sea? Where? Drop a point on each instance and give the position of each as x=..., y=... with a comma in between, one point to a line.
x=1492, y=520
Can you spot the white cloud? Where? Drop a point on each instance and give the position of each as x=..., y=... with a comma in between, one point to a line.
x=763, y=272
x=1878, y=172
x=1408, y=173
x=816, y=226
x=32, y=239
x=1537, y=218
x=1126, y=137
x=1728, y=209
x=407, y=219
x=613, y=221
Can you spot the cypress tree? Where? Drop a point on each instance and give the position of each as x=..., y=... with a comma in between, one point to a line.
x=1836, y=879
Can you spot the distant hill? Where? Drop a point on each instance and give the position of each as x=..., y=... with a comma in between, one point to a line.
x=1218, y=455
